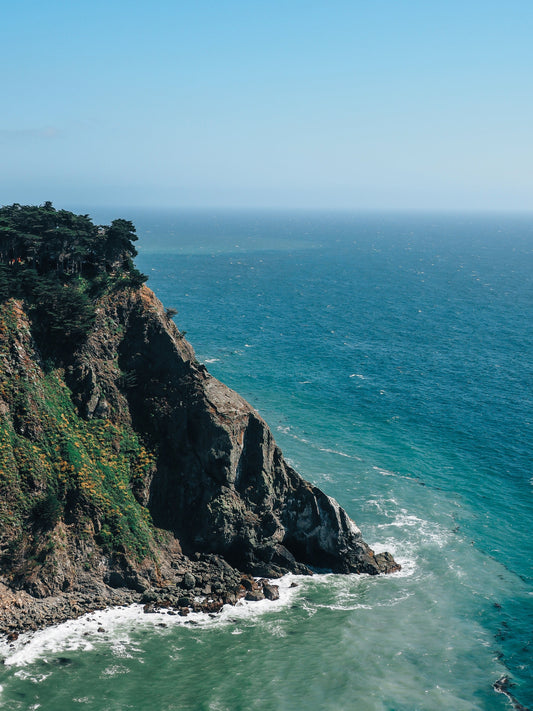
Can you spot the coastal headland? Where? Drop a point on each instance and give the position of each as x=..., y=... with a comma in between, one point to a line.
x=127, y=472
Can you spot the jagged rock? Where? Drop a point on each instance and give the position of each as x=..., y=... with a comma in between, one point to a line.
x=248, y=583
x=221, y=484
x=212, y=606
x=254, y=595
x=271, y=592
x=230, y=598
x=218, y=488
x=189, y=581
x=386, y=563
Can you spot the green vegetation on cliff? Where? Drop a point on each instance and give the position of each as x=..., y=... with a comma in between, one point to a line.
x=58, y=471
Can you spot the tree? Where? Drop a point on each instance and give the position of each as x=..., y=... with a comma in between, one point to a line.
x=61, y=263
x=118, y=249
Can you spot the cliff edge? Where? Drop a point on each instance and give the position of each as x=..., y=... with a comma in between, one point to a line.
x=219, y=482
x=129, y=473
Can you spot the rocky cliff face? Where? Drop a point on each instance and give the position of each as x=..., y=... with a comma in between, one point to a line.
x=194, y=456
x=220, y=483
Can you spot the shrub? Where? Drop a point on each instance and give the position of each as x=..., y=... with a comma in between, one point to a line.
x=48, y=511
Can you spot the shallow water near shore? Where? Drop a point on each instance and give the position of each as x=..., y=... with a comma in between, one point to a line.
x=391, y=357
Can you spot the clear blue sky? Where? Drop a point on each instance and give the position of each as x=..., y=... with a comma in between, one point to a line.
x=375, y=104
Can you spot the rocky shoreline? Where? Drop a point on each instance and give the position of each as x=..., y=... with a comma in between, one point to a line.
x=204, y=585
x=226, y=512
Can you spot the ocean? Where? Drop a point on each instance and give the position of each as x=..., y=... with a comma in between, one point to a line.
x=391, y=355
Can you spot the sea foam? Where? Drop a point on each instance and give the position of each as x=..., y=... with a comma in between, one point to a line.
x=118, y=624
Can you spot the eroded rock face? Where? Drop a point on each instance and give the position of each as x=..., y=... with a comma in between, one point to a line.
x=227, y=505
x=220, y=484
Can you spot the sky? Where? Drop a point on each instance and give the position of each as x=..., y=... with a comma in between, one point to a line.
x=382, y=104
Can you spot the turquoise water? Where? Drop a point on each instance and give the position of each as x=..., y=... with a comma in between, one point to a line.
x=391, y=355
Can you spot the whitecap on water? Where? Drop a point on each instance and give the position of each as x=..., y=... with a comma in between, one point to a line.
x=387, y=472
x=27, y=676
x=338, y=452
x=114, y=670
x=122, y=624
x=348, y=593
x=384, y=472
x=349, y=605
x=276, y=629
x=405, y=535
x=426, y=531
x=382, y=505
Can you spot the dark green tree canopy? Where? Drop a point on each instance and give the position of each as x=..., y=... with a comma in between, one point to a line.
x=58, y=240
x=60, y=263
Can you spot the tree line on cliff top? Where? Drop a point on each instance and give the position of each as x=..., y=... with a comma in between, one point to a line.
x=60, y=263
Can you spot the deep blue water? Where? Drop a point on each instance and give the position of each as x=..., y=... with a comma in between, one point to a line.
x=391, y=355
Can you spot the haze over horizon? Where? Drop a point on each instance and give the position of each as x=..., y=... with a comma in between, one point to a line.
x=289, y=105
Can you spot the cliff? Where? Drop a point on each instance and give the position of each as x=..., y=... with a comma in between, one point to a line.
x=129, y=473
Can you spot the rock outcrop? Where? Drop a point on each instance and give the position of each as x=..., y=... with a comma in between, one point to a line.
x=223, y=502
x=221, y=484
